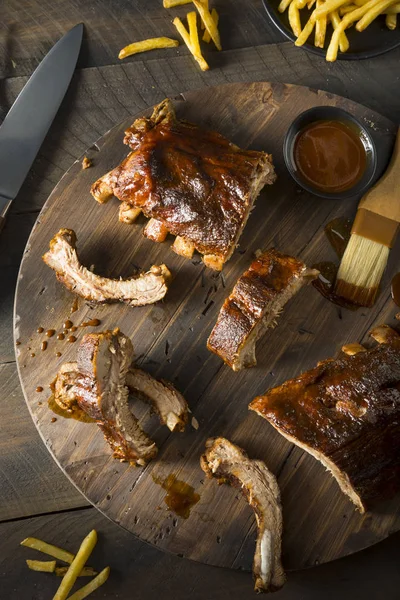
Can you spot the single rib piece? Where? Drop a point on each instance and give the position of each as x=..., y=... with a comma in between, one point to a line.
x=229, y=463
x=97, y=388
x=346, y=413
x=199, y=185
x=165, y=400
x=135, y=291
x=103, y=363
x=254, y=305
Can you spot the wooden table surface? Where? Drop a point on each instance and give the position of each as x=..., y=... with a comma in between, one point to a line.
x=37, y=499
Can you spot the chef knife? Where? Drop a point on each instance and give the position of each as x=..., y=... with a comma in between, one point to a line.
x=27, y=122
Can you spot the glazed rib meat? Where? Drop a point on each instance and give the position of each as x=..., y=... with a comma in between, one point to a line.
x=64, y=394
x=63, y=386
x=135, y=291
x=103, y=363
x=346, y=413
x=254, y=305
x=190, y=182
x=96, y=388
x=229, y=463
x=166, y=401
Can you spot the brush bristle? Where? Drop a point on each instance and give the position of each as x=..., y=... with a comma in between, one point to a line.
x=361, y=270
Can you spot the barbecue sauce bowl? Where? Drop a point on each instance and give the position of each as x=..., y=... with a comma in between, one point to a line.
x=329, y=153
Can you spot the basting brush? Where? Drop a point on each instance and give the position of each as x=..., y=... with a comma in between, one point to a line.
x=372, y=235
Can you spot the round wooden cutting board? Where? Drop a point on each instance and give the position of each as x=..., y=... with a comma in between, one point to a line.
x=320, y=523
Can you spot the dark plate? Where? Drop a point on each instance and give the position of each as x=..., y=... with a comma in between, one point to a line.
x=375, y=40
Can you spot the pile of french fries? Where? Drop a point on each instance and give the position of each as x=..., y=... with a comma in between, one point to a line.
x=77, y=566
x=209, y=23
x=341, y=14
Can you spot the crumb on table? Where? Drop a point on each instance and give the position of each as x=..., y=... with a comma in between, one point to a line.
x=86, y=163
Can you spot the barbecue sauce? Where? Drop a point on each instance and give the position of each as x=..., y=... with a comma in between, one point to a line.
x=338, y=232
x=75, y=413
x=74, y=306
x=330, y=156
x=396, y=289
x=91, y=323
x=180, y=497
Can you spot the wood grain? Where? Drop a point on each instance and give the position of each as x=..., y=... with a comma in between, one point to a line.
x=154, y=574
x=31, y=29
x=170, y=339
x=86, y=114
x=30, y=482
x=100, y=98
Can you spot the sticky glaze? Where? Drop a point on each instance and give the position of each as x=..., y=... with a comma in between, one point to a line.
x=330, y=156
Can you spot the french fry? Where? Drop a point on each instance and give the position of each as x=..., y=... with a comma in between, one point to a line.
x=45, y=566
x=91, y=586
x=76, y=566
x=208, y=22
x=347, y=20
x=201, y=22
x=86, y=572
x=377, y=8
x=343, y=10
x=343, y=40
x=193, y=33
x=328, y=7
x=186, y=38
x=341, y=14
x=283, y=5
x=320, y=28
x=333, y=48
x=49, y=549
x=146, y=45
x=294, y=18
x=173, y=3
x=215, y=16
x=307, y=31
x=394, y=9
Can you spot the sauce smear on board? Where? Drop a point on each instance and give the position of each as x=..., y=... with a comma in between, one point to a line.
x=396, y=289
x=330, y=156
x=180, y=497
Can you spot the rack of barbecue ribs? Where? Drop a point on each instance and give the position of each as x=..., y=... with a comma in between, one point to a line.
x=190, y=182
x=230, y=464
x=346, y=413
x=98, y=385
x=62, y=257
x=255, y=304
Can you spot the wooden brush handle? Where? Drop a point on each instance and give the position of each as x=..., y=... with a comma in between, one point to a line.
x=384, y=198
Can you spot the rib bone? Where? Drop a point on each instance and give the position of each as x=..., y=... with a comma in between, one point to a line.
x=227, y=462
x=383, y=334
x=135, y=291
x=128, y=214
x=352, y=349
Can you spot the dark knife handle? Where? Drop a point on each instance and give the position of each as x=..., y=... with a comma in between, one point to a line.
x=2, y=223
